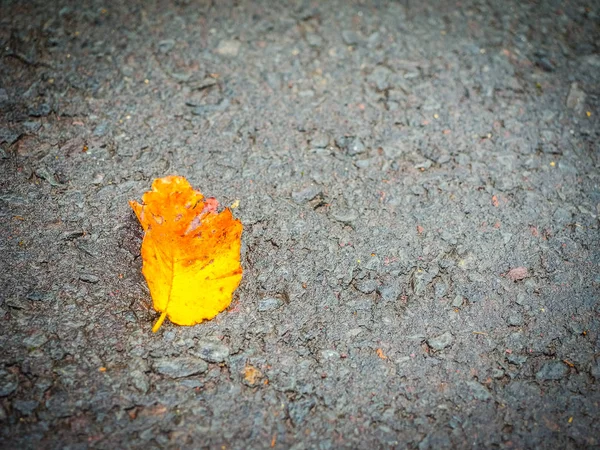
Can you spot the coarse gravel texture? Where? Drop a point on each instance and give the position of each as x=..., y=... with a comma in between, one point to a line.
x=419, y=187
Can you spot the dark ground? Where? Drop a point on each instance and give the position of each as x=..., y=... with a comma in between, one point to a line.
x=393, y=162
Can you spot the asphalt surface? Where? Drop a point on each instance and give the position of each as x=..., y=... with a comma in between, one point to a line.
x=419, y=187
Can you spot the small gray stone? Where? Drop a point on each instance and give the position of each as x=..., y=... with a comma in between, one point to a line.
x=45, y=174
x=328, y=354
x=25, y=407
x=379, y=78
x=166, y=46
x=515, y=342
x=521, y=299
x=392, y=105
x=8, y=383
x=417, y=189
x=443, y=158
x=352, y=145
x=229, y=48
x=440, y=289
x=41, y=110
x=567, y=168
x=67, y=373
x=457, y=302
x=422, y=278
x=389, y=293
x=516, y=359
x=191, y=383
x=100, y=129
x=477, y=391
x=345, y=215
x=202, y=84
x=350, y=37
x=363, y=163
x=394, y=148
x=436, y=439
x=314, y=40
x=515, y=319
x=269, y=304
x=274, y=80
x=320, y=140
x=43, y=384
x=298, y=410
x=497, y=373
x=424, y=165
x=562, y=216
x=89, y=278
x=305, y=195
x=207, y=110
x=354, y=332
x=182, y=366
x=356, y=147
x=31, y=126
x=36, y=296
x=36, y=340
x=211, y=351
x=60, y=405
x=139, y=380
x=552, y=370
x=306, y=93
x=441, y=342
x=576, y=98
x=575, y=328
x=366, y=286
x=545, y=63
x=595, y=370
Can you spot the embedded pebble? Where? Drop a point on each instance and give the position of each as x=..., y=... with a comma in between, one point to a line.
x=552, y=370
x=179, y=367
x=320, y=140
x=345, y=215
x=89, y=278
x=211, y=351
x=269, y=304
x=457, y=302
x=350, y=37
x=515, y=319
x=441, y=342
x=228, y=47
x=305, y=195
x=8, y=383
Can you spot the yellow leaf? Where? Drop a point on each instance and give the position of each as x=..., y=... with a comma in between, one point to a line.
x=190, y=253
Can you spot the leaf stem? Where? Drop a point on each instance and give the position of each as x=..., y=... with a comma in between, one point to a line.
x=160, y=321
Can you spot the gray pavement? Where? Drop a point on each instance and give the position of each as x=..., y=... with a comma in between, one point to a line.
x=419, y=187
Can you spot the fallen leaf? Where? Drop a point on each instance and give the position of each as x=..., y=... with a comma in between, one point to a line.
x=381, y=354
x=495, y=201
x=190, y=253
